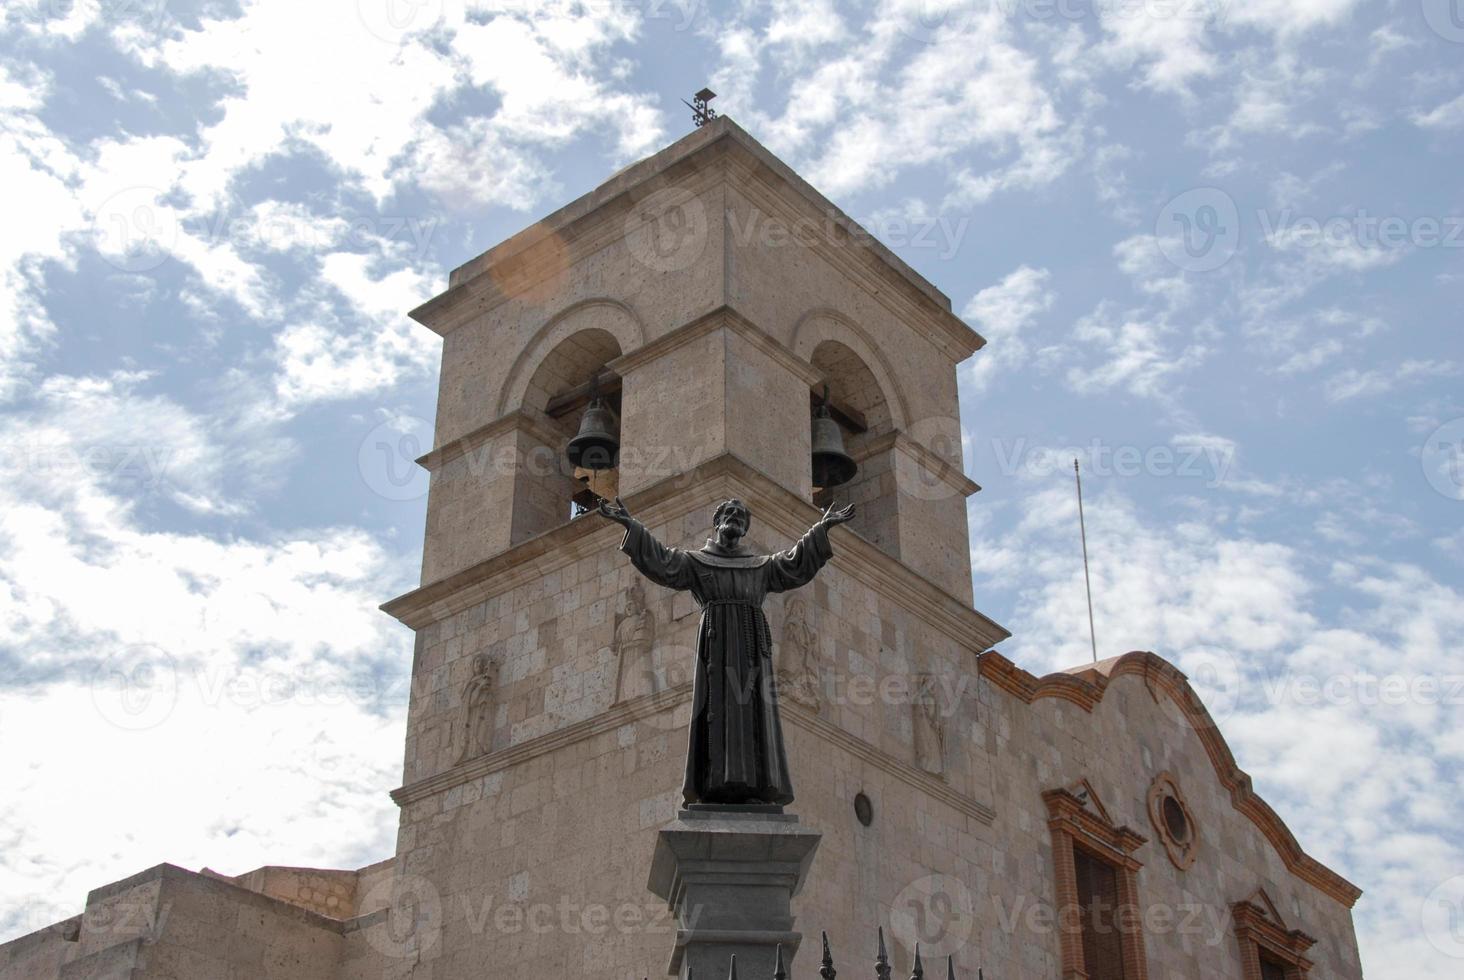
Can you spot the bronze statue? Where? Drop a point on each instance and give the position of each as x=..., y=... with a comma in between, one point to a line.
x=736, y=753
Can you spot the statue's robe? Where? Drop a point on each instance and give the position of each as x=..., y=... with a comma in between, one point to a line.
x=736, y=752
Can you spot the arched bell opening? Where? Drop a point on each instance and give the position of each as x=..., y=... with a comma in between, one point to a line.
x=858, y=407
x=577, y=399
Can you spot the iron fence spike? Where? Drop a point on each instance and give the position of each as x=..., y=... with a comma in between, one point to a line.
x=882, y=959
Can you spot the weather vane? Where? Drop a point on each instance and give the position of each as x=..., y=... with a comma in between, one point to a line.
x=701, y=113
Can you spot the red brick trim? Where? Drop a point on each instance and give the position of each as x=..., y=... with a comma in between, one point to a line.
x=1257, y=931
x=1085, y=687
x=1074, y=825
x=1181, y=851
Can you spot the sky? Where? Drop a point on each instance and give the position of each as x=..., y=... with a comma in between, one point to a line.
x=1216, y=246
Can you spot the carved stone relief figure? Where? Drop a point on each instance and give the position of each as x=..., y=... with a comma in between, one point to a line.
x=929, y=726
x=798, y=676
x=635, y=640
x=476, y=725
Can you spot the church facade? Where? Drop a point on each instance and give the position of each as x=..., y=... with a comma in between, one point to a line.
x=1091, y=823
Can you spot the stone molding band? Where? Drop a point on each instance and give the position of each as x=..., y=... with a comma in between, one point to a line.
x=730, y=476
x=667, y=700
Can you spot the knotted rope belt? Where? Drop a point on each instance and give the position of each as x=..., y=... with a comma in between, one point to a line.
x=754, y=627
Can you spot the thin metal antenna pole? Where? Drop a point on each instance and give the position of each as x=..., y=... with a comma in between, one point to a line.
x=1087, y=582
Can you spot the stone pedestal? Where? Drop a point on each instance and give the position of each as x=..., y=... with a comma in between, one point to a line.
x=729, y=875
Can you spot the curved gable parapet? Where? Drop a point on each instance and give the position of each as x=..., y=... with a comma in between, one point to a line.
x=1086, y=686
x=603, y=313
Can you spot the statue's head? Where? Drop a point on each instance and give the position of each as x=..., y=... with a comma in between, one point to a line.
x=635, y=598
x=731, y=520
x=482, y=665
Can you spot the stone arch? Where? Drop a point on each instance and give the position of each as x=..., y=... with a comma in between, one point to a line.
x=546, y=487
x=854, y=384
x=604, y=315
x=821, y=325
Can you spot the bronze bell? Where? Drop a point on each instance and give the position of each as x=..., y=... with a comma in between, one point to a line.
x=597, y=445
x=832, y=466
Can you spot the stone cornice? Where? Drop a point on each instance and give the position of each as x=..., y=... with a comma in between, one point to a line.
x=727, y=475
x=800, y=716
x=605, y=721
x=597, y=219
x=1085, y=687
x=722, y=317
x=946, y=330
x=542, y=251
x=517, y=419
x=928, y=461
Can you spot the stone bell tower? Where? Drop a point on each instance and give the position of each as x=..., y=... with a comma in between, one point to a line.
x=707, y=294
x=1088, y=824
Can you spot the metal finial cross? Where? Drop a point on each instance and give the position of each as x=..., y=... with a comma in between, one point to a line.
x=701, y=113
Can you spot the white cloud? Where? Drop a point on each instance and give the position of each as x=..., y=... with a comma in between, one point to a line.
x=1173, y=52
x=1285, y=18
x=1003, y=313
x=255, y=676
x=1355, y=383
x=1449, y=115
x=1132, y=351
x=855, y=122
x=328, y=358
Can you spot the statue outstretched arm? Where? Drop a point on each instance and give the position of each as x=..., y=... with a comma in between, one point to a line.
x=798, y=565
x=833, y=518
x=668, y=567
